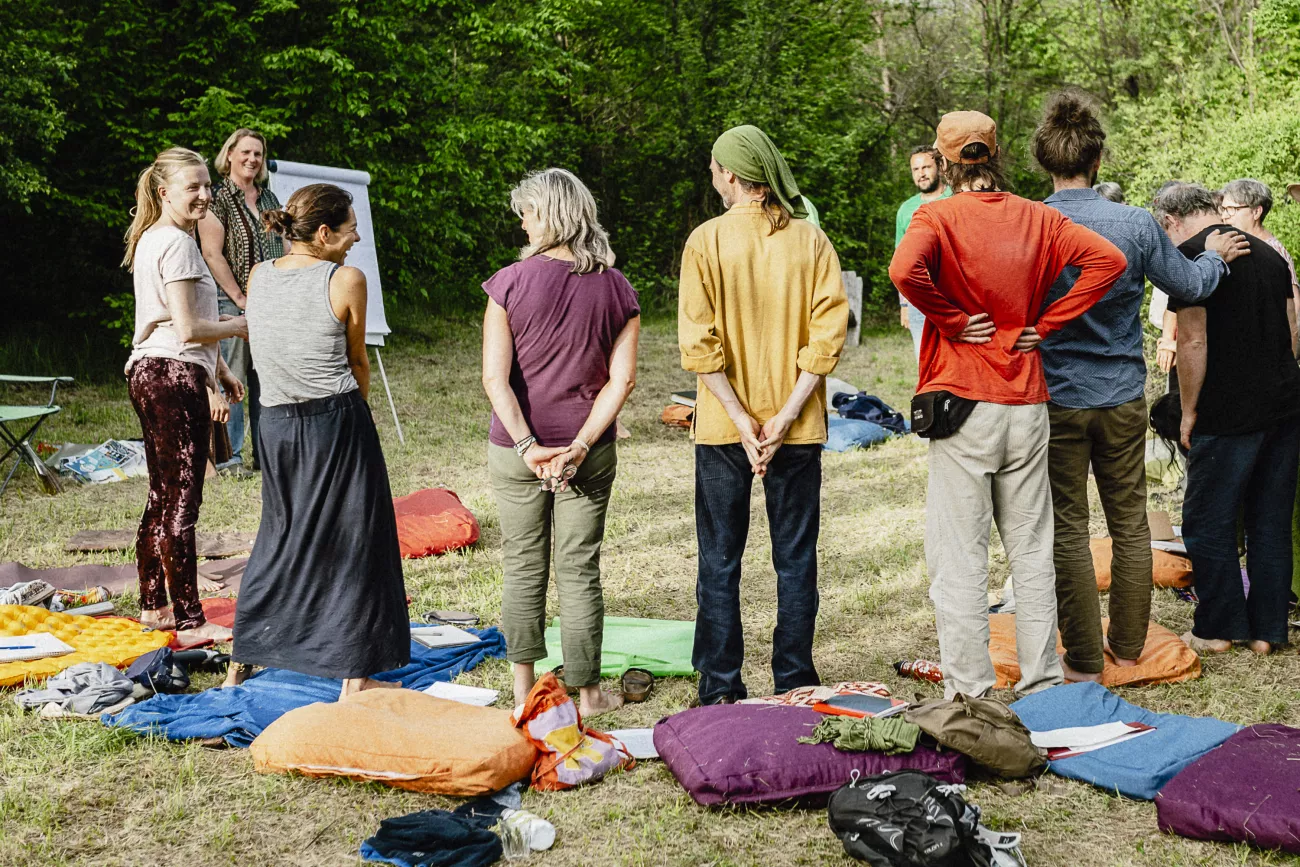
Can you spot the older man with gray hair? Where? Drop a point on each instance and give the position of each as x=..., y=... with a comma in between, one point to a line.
x=1240, y=391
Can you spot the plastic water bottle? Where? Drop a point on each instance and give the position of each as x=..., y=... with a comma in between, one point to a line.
x=536, y=831
x=920, y=669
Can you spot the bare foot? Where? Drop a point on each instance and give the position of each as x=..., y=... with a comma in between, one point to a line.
x=1073, y=676
x=525, y=678
x=1206, y=645
x=207, y=585
x=236, y=674
x=354, y=685
x=158, y=618
x=219, y=634
x=595, y=701
x=1119, y=660
x=1260, y=648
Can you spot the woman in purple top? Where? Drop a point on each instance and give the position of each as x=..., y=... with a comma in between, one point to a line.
x=559, y=361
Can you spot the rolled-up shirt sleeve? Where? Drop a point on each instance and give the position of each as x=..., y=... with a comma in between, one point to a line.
x=910, y=270
x=697, y=334
x=829, y=323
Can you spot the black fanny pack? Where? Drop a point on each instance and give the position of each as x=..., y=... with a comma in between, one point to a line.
x=940, y=414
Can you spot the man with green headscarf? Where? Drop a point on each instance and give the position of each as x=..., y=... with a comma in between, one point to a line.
x=761, y=320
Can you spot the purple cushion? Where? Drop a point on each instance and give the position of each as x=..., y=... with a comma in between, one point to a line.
x=750, y=754
x=1244, y=791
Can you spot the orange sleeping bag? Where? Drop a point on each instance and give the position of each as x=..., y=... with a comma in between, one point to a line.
x=1164, y=659
x=433, y=521
x=1167, y=570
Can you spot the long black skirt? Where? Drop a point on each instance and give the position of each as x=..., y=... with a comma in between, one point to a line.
x=323, y=593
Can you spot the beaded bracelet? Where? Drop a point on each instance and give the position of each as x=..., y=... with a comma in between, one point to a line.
x=525, y=444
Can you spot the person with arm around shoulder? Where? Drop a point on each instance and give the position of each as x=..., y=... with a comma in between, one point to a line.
x=234, y=241
x=559, y=360
x=1096, y=376
x=323, y=593
x=175, y=378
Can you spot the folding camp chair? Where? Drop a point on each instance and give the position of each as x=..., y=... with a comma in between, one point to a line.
x=11, y=420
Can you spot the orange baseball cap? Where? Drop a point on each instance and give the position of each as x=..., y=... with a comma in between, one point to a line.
x=960, y=128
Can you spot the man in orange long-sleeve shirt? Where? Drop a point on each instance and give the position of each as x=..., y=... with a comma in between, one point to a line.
x=978, y=266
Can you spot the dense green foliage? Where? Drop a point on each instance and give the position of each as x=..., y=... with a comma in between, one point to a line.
x=448, y=102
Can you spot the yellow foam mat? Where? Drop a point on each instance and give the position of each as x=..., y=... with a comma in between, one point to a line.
x=114, y=640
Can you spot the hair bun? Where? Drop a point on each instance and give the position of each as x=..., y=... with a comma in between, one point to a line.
x=1070, y=109
x=278, y=221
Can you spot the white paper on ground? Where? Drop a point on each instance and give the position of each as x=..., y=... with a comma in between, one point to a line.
x=639, y=742
x=475, y=695
x=1176, y=547
x=35, y=645
x=442, y=636
x=1079, y=736
x=1120, y=732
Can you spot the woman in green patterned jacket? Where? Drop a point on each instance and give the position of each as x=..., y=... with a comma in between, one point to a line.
x=233, y=241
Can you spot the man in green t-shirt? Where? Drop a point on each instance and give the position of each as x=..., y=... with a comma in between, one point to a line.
x=929, y=180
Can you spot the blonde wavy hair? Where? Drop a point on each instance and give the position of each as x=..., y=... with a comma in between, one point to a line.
x=566, y=211
x=222, y=162
x=148, y=205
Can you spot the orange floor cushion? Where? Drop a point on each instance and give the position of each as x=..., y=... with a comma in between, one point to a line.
x=1168, y=570
x=1164, y=659
x=402, y=738
x=114, y=640
x=433, y=521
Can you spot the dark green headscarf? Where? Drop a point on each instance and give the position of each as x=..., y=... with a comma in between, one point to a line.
x=751, y=156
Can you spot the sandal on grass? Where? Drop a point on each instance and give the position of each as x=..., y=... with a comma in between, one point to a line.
x=558, y=671
x=637, y=683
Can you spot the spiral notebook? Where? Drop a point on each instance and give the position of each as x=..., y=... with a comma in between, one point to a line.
x=37, y=645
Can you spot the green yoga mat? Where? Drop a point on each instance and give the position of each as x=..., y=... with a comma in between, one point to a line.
x=662, y=647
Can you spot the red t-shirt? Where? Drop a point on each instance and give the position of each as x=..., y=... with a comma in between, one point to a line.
x=564, y=326
x=998, y=254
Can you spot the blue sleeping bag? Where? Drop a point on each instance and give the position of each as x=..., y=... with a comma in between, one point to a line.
x=843, y=434
x=240, y=713
x=1137, y=768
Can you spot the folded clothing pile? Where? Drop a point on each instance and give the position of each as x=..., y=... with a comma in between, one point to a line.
x=82, y=689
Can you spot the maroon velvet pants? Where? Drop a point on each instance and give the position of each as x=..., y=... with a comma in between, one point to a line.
x=170, y=397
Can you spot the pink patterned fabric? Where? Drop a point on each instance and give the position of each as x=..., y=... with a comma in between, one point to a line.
x=807, y=696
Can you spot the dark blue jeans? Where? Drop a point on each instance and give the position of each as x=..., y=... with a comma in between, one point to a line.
x=1253, y=475
x=792, y=488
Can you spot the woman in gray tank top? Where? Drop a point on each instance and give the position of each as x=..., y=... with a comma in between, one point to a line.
x=323, y=593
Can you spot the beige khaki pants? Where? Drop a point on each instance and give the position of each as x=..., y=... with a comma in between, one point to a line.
x=992, y=470
x=530, y=519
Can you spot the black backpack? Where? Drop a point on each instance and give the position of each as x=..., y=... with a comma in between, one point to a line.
x=910, y=819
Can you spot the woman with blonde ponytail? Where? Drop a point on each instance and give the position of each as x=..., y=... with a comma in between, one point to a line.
x=173, y=376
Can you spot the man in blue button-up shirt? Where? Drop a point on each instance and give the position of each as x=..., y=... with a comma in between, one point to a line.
x=1096, y=377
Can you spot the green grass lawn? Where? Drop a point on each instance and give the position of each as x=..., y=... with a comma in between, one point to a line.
x=79, y=793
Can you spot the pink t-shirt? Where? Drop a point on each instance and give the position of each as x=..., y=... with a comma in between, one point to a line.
x=165, y=254
x=564, y=326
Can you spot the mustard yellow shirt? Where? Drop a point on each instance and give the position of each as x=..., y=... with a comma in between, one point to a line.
x=760, y=307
